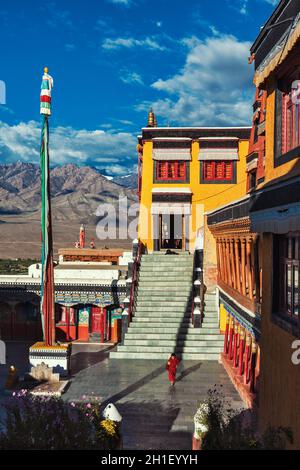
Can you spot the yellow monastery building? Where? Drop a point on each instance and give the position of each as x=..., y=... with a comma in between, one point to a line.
x=183, y=173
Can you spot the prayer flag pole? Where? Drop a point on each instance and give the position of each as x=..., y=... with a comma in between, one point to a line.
x=47, y=278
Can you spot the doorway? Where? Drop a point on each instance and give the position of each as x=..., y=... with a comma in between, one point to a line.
x=171, y=231
x=96, y=320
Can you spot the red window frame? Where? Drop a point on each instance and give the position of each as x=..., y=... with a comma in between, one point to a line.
x=290, y=123
x=171, y=171
x=215, y=170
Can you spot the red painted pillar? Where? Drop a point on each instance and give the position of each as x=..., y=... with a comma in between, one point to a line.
x=253, y=367
x=235, y=344
x=108, y=320
x=105, y=323
x=68, y=323
x=247, y=358
x=226, y=335
x=230, y=352
x=241, y=352
x=102, y=326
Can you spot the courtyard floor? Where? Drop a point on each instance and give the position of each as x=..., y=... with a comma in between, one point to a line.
x=155, y=415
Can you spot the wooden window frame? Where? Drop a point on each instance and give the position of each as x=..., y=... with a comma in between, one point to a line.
x=287, y=268
x=287, y=127
x=215, y=179
x=169, y=177
x=290, y=124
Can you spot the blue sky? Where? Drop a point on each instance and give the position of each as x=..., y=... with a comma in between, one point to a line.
x=113, y=59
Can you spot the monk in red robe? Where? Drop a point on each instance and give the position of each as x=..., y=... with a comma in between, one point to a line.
x=172, y=365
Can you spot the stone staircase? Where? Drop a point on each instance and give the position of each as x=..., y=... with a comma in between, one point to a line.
x=162, y=317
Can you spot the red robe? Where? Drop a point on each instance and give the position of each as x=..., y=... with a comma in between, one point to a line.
x=172, y=367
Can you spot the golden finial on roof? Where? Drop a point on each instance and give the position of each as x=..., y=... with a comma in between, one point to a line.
x=151, y=119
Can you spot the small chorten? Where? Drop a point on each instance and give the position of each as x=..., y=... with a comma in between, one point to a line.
x=151, y=119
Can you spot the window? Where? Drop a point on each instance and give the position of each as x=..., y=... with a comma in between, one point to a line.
x=287, y=259
x=290, y=122
x=252, y=179
x=218, y=171
x=171, y=171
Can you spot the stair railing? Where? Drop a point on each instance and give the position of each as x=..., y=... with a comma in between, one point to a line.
x=198, y=290
x=131, y=286
x=137, y=255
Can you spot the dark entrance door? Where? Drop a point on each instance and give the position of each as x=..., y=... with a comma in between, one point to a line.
x=171, y=231
x=96, y=320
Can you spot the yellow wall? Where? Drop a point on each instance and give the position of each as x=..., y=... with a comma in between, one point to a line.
x=223, y=318
x=204, y=196
x=279, y=381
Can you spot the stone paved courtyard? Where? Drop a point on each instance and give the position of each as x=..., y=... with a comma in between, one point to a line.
x=155, y=416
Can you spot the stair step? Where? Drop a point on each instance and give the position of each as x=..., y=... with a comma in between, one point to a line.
x=145, y=272
x=170, y=312
x=176, y=286
x=166, y=349
x=156, y=277
x=164, y=356
x=195, y=343
x=165, y=315
x=199, y=336
x=188, y=267
x=166, y=321
x=210, y=302
x=156, y=299
x=163, y=295
x=179, y=254
x=156, y=328
x=156, y=302
x=167, y=308
x=174, y=327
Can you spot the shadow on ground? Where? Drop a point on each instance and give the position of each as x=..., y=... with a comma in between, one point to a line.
x=150, y=426
x=82, y=360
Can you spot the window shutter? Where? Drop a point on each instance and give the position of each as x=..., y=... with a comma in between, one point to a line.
x=220, y=170
x=279, y=128
x=162, y=170
x=228, y=171
x=171, y=171
x=209, y=170
x=181, y=171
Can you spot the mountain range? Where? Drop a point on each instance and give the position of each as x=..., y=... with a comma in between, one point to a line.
x=77, y=192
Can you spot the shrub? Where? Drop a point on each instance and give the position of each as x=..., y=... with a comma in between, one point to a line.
x=47, y=423
x=223, y=428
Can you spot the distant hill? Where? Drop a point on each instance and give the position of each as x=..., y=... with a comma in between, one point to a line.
x=128, y=181
x=76, y=191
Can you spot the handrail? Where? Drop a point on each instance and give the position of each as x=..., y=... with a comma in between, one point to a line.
x=202, y=291
x=135, y=270
x=198, y=290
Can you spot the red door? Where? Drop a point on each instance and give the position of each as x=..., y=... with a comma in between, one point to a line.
x=96, y=319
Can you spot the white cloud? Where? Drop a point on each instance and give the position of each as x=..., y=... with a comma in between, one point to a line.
x=69, y=47
x=272, y=2
x=131, y=78
x=244, y=7
x=121, y=2
x=111, y=150
x=213, y=88
x=129, y=43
